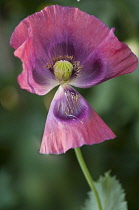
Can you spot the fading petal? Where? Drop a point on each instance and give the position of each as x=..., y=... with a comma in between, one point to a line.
x=110, y=59
x=35, y=78
x=71, y=123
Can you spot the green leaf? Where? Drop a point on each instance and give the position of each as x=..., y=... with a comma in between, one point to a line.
x=111, y=194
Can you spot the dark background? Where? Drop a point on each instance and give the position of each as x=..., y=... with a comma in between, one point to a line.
x=30, y=181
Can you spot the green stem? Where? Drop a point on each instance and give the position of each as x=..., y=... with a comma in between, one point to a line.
x=87, y=175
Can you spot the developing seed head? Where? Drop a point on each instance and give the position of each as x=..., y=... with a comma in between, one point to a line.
x=63, y=70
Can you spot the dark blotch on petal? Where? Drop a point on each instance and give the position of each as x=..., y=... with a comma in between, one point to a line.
x=97, y=68
x=39, y=78
x=70, y=106
x=97, y=65
x=92, y=72
x=63, y=49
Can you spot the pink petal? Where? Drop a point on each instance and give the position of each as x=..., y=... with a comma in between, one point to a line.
x=61, y=24
x=58, y=31
x=63, y=131
x=35, y=77
x=110, y=59
x=55, y=31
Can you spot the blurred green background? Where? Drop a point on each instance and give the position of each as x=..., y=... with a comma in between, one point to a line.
x=30, y=181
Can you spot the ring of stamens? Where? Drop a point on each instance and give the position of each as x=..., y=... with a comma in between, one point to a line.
x=76, y=67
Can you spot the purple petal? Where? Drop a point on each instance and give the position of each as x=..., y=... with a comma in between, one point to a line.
x=35, y=78
x=71, y=123
x=110, y=59
x=56, y=31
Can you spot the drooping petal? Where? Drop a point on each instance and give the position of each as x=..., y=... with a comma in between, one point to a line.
x=35, y=78
x=71, y=123
x=110, y=59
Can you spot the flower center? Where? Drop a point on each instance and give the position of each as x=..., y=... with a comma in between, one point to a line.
x=63, y=70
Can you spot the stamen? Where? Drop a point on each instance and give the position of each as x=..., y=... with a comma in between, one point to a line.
x=49, y=66
x=76, y=67
x=65, y=57
x=71, y=109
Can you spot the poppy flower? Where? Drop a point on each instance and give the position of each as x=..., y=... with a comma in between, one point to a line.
x=67, y=47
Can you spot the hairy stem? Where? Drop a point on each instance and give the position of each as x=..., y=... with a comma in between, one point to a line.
x=87, y=175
